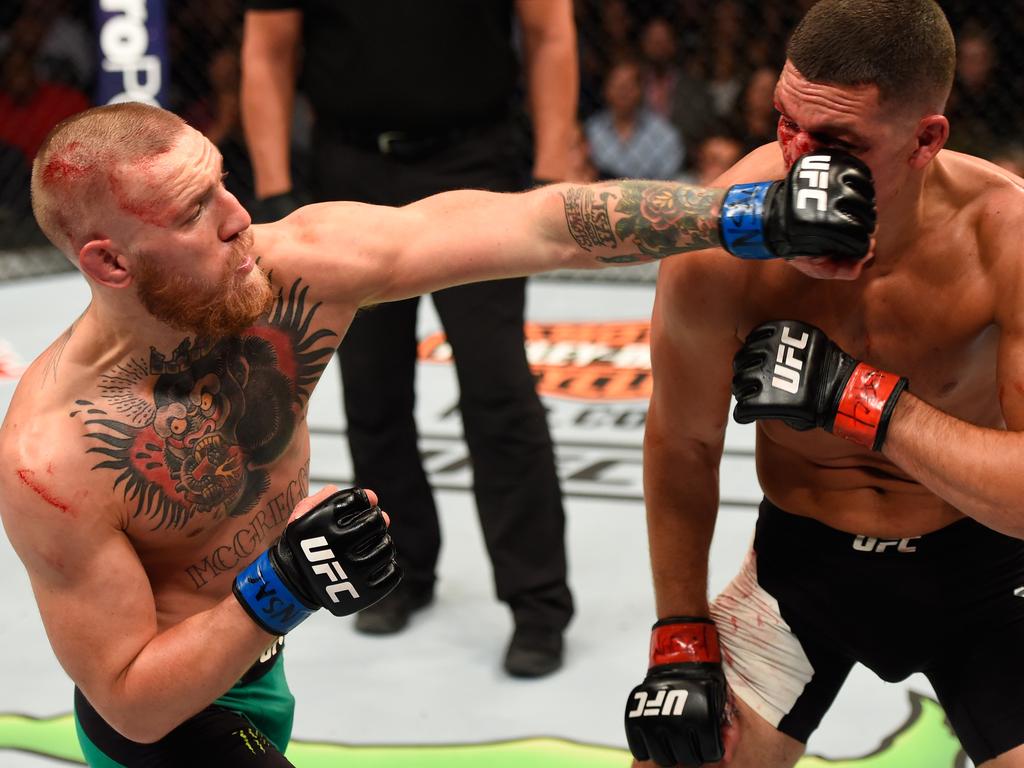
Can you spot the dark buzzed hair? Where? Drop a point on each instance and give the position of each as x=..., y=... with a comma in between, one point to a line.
x=905, y=47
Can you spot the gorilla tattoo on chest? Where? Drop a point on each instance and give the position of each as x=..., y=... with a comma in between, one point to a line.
x=193, y=433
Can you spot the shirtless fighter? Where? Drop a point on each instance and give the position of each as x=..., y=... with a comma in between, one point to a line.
x=155, y=457
x=890, y=529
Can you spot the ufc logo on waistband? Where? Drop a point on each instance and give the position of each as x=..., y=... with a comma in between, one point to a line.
x=872, y=544
x=317, y=551
x=787, y=364
x=663, y=703
x=271, y=652
x=814, y=170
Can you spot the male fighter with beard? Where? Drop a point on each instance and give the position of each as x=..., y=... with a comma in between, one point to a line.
x=154, y=458
x=890, y=536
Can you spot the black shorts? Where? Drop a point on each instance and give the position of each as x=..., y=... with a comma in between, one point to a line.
x=239, y=729
x=810, y=601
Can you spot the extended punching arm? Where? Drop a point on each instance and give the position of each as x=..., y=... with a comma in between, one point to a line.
x=825, y=207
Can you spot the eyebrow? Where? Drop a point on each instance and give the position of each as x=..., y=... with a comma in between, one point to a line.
x=831, y=131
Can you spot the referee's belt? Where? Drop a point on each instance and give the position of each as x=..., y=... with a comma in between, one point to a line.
x=406, y=145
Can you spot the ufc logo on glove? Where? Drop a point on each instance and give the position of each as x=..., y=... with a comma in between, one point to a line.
x=344, y=538
x=787, y=364
x=662, y=703
x=807, y=381
x=813, y=169
x=316, y=550
x=824, y=207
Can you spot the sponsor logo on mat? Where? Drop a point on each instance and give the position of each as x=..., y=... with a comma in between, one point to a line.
x=587, y=361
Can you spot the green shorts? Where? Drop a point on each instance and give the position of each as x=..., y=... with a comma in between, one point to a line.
x=250, y=725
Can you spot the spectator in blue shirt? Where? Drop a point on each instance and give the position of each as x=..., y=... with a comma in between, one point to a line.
x=626, y=139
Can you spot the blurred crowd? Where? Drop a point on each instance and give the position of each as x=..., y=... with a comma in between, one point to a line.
x=671, y=89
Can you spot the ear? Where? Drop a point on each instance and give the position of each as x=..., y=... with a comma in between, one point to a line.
x=932, y=134
x=104, y=264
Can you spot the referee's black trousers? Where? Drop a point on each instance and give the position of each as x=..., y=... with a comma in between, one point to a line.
x=514, y=479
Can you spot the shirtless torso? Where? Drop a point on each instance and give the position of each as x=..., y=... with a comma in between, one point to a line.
x=197, y=452
x=145, y=465
x=931, y=315
x=938, y=304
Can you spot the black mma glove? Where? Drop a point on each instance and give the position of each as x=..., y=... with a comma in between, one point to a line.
x=791, y=371
x=824, y=207
x=675, y=716
x=338, y=556
x=276, y=207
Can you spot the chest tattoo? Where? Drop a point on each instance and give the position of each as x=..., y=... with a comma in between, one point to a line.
x=194, y=432
x=261, y=527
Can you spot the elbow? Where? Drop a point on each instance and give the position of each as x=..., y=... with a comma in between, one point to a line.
x=142, y=735
x=137, y=729
x=139, y=723
x=1013, y=527
x=574, y=257
x=1003, y=516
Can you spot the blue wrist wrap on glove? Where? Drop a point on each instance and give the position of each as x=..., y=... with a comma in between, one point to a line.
x=267, y=600
x=742, y=221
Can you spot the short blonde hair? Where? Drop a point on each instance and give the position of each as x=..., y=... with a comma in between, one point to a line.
x=78, y=159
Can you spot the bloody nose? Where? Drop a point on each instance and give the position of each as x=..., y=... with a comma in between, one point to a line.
x=803, y=143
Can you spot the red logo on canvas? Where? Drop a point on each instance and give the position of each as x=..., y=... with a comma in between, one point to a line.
x=590, y=361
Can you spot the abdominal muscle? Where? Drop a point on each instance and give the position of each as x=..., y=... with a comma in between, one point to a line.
x=848, y=488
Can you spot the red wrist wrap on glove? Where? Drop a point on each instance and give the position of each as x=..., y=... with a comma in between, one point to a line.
x=685, y=644
x=862, y=404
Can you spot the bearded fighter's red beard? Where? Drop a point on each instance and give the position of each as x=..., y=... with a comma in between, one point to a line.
x=223, y=308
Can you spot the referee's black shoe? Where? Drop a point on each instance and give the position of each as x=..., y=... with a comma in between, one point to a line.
x=534, y=652
x=392, y=614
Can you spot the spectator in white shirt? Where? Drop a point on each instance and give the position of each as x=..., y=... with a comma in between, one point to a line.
x=626, y=139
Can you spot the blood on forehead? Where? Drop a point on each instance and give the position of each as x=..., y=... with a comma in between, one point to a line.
x=135, y=188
